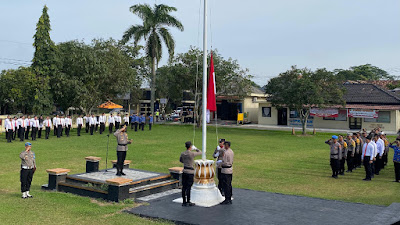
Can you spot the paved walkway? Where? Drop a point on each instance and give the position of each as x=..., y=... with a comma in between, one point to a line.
x=256, y=207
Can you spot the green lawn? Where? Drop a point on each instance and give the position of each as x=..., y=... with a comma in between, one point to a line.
x=273, y=161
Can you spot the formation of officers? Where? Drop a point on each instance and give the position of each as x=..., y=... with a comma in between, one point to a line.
x=370, y=150
x=33, y=127
x=224, y=155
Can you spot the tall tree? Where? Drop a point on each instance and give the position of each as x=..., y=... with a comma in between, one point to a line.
x=43, y=64
x=363, y=72
x=154, y=31
x=301, y=89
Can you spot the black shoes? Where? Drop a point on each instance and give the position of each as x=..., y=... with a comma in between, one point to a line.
x=226, y=202
x=118, y=174
x=349, y=171
x=365, y=179
x=188, y=204
x=342, y=173
x=123, y=174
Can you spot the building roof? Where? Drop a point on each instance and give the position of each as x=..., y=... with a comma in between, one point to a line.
x=357, y=93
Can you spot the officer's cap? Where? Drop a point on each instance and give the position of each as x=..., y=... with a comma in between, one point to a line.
x=28, y=144
x=334, y=137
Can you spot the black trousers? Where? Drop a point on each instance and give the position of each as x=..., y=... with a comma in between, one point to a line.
x=149, y=126
x=117, y=125
x=127, y=124
x=21, y=133
x=350, y=164
x=368, y=167
x=342, y=162
x=121, y=156
x=132, y=124
x=142, y=124
x=18, y=132
x=110, y=128
x=27, y=132
x=47, y=132
x=220, y=180
x=335, y=165
x=34, y=132
x=91, y=129
x=187, y=182
x=97, y=126
x=55, y=131
x=373, y=168
x=397, y=170
x=40, y=133
x=26, y=177
x=385, y=157
x=102, y=128
x=79, y=129
x=59, y=130
x=227, y=184
x=136, y=125
x=87, y=127
x=14, y=133
x=9, y=135
x=67, y=130
x=379, y=163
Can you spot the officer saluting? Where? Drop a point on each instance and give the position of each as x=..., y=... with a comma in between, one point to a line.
x=28, y=168
x=122, y=140
x=187, y=158
x=336, y=155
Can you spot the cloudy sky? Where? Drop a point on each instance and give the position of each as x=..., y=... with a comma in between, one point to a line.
x=265, y=36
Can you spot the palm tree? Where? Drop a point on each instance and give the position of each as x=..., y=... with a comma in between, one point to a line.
x=154, y=31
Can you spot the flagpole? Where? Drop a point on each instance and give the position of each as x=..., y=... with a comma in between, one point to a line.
x=204, y=137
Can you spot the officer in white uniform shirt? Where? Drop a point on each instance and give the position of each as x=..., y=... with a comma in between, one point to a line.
x=92, y=123
x=380, y=145
x=68, y=125
x=28, y=126
x=79, y=123
x=117, y=121
x=35, y=127
x=58, y=124
x=102, y=121
x=22, y=128
x=367, y=156
x=47, y=126
x=87, y=118
x=55, y=126
x=62, y=124
x=9, y=129
x=126, y=120
x=111, y=121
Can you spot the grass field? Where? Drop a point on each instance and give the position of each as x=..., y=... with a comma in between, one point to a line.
x=273, y=161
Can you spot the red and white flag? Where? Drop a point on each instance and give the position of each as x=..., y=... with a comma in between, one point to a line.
x=211, y=91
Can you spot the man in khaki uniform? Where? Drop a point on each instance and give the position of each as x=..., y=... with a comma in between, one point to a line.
x=187, y=158
x=351, y=144
x=344, y=154
x=218, y=153
x=335, y=155
x=122, y=147
x=227, y=171
x=28, y=168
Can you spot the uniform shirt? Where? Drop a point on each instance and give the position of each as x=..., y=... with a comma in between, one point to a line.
x=54, y=121
x=20, y=122
x=86, y=119
x=150, y=119
x=35, y=123
x=111, y=120
x=126, y=119
x=8, y=125
x=351, y=144
x=47, y=123
x=227, y=162
x=344, y=149
x=375, y=149
x=58, y=122
x=368, y=150
x=40, y=123
x=31, y=122
x=132, y=118
x=135, y=119
x=117, y=119
x=27, y=122
x=68, y=122
x=92, y=121
x=102, y=119
x=142, y=119
x=62, y=122
x=380, y=144
x=218, y=153
x=187, y=158
x=336, y=149
x=27, y=159
x=396, y=155
x=122, y=140
x=79, y=121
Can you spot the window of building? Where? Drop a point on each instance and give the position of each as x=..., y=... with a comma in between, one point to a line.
x=383, y=117
x=266, y=111
x=294, y=114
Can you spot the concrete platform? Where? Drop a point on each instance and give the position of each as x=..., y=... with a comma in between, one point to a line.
x=102, y=176
x=256, y=207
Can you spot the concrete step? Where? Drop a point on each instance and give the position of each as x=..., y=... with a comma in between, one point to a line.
x=153, y=188
x=82, y=190
x=390, y=215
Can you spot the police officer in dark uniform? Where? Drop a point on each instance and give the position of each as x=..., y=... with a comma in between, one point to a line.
x=28, y=168
x=187, y=158
x=122, y=148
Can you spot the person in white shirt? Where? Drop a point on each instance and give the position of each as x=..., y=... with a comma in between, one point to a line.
x=28, y=126
x=374, y=155
x=62, y=124
x=58, y=124
x=102, y=121
x=55, y=126
x=14, y=127
x=68, y=125
x=87, y=118
x=92, y=123
x=40, y=126
x=47, y=124
x=35, y=127
x=79, y=123
x=380, y=145
x=111, y=121
x=22, y=128
x=9, y=130
x=126, y=120
x=367, y=156
x=117, y=121
x=96, y=119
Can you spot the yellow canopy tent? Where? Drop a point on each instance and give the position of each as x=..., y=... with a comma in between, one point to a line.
x=110, y=105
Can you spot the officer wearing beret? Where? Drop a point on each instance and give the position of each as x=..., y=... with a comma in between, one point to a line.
x=28, y=168
x=122, y=139
x=336, y=155
x=187, y=158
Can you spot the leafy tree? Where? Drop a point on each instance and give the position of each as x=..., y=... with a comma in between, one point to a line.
x=43, y=64
x=363, y=72
x=92, y=74
x=154, y=31
x=301, y=89
x=17, y=89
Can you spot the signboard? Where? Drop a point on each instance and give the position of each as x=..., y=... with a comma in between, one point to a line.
x=362, y=113
x=163, y=101
x=297, y=123
x=324, y=112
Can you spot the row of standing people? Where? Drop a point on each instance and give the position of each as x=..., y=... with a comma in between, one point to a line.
x=361, y=149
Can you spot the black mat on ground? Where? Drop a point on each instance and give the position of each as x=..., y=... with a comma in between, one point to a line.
x=255, y=207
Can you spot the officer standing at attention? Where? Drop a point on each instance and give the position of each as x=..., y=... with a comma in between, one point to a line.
x=9, y=130
x=132, y=121
x=351, y=144
x=111, y=121
x=227, y=171
x=142, y=121
x=28, y=168
x=35, y=127
x=47, y=125
x=122, y=147
x=79, y=123
x=102, y=120
x=54, y=126
x=368, y=152
x=336, y=154
x=187, y=158
x=344, y=154
x=136, y=118
x=219, y=153
x=40, y=126
x=59, y=126
x=22, y=128
x=92, y=122
x=87, y=118
x=150, y=121
x=126, y=120
x=28, y=126
x=117, y=121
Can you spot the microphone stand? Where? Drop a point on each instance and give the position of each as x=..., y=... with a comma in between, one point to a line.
x=108, y=141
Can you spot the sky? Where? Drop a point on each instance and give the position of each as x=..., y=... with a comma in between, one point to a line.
x=265, y=36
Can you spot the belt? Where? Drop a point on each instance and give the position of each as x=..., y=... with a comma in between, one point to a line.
x=122, y=144
x=226, y=166
x=26, y=167
x=188, y=168
x=335, y=154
